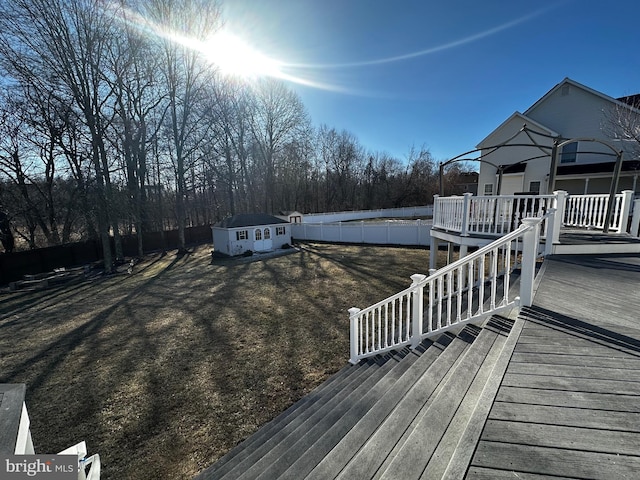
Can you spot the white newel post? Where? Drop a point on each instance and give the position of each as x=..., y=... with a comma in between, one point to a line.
x=418, y=309
x=625, y=210
x=436, y=211
x=560, y=205
x=551, y=231
x=355, y=334
x=529, y=253
x=635, y=221
x=466, y=212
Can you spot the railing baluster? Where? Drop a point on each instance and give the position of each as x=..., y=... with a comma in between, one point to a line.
x=430, y=306
x=439, y=300
x=494, y=277
x=393, y=322
x=470, y=290
x=408, y=318
x=459, y=291
x=386, y=325
x=481, y=279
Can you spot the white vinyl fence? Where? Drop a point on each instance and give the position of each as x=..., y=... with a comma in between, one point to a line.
x=332, y=217
x=391, y=232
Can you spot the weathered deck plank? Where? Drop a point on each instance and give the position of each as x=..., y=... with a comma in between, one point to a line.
x=621, y=363
x=563, y=437
x=560, y=398
x=554, y=461
x=570, y=417
x=594, y=372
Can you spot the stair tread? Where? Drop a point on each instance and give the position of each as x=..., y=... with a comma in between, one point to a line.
x=257, y=459
x=298, y=462
x=446, y=418
x=352, y=442
x=372, y=456
x=314, y=400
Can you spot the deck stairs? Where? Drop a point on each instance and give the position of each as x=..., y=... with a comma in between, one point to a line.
x=406, y=414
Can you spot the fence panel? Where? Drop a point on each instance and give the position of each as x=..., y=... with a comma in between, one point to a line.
x=409, y=232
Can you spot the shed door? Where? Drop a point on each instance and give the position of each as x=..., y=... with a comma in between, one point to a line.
x=258, y=242
x=266, y=235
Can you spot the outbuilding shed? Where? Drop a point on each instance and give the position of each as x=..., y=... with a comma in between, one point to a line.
x=257, y=232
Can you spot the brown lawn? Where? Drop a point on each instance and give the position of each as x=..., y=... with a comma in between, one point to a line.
x=163, y=371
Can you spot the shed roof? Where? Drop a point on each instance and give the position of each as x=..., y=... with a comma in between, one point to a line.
x=249, y=220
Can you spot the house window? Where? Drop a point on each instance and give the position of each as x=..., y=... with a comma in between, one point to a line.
x=295, y=219
x=569, y=153
x=280, y=231
x=488, y=188
x=267, y=234
x=534, y=187
x=242, y=235
x=258, y=234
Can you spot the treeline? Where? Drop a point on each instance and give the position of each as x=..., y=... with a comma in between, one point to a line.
x=113, y=121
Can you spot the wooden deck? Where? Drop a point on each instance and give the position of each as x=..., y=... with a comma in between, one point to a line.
x=569, y=402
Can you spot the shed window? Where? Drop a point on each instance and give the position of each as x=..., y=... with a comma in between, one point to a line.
x=258, y=234
x=280, y=231
x=267, y=233
x=242, y=235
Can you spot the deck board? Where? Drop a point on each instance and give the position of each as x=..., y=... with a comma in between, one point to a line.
x=564, y=437
x=570, y=417
x=569, y=402
x=554, y=461
x=560, y=398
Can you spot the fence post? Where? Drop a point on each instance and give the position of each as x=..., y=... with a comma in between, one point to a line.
x=466, y=212
x=418, y=309
x=436, y=211
x=625, y=209
x=529, y=253
x=635, y=221
x=355, y=335
x=551, y=232
x=560, y=205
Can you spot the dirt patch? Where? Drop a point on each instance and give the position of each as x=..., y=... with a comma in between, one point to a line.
x=163, y=371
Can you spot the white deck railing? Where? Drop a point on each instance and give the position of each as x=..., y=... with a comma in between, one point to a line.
x=590, y=211
x=488, y=215
x=467, y=290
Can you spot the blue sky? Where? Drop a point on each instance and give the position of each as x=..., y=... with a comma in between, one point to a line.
x=477, y=61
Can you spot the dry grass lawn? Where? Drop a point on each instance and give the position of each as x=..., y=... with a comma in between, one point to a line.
x=165, y=370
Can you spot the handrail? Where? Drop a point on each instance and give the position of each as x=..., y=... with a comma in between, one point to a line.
x=492, y=215
x=589, y=211
x=452, y=296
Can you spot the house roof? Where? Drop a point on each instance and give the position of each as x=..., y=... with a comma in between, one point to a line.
x=633, y=100
x=568, y=81
x=249, y=220
x=525, y=120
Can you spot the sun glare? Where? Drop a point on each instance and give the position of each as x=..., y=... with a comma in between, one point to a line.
x=235, y=57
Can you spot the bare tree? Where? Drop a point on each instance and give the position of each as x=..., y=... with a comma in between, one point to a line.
x=59, y=46
x=277, y=117
x=186, y=74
